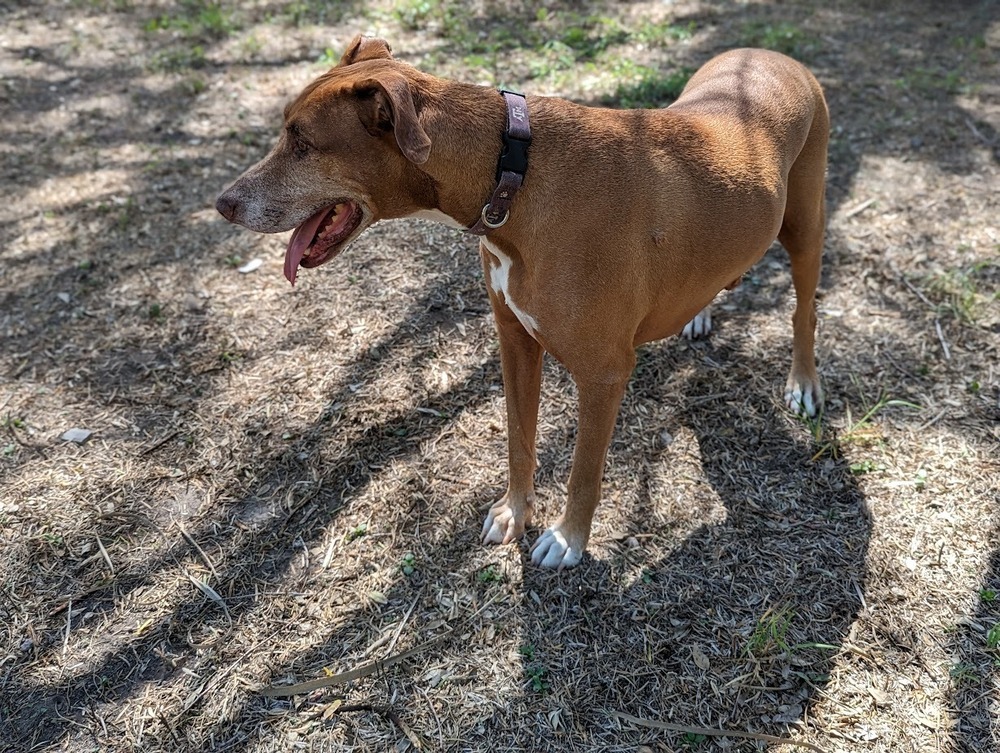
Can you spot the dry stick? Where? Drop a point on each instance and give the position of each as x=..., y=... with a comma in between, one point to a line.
x=944, y=344
x=378, y=665
x=69, y=622
x=104, y=553
x=402, y=624
x=858, y=209
x=976, y=132
x=190, y=539
x=212, y=594
x=283, y=691
x=914, y=290
x=158, y=443
x=652, y=724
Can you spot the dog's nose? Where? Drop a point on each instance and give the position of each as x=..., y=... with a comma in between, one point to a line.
x=227, y=206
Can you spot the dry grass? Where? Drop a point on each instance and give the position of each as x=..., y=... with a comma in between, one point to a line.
x=284, y=485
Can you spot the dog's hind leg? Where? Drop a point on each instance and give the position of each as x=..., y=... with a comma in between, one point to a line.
x=802, y=231
x=700, y=326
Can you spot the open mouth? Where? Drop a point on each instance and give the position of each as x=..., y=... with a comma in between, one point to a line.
x=322, y=236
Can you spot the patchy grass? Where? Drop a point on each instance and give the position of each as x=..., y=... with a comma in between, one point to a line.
x=783, y=36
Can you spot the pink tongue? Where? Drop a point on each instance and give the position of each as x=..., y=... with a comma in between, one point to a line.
x=300, y=241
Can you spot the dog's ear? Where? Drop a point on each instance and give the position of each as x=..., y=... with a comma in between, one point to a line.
x=387, y=102
x=366, y=48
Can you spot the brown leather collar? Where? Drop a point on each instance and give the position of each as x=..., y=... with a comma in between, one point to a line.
x=511, y=167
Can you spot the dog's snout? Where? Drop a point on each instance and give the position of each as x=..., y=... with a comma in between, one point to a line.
x=227, y=206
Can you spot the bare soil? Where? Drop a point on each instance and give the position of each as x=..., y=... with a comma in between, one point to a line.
x=285, y=484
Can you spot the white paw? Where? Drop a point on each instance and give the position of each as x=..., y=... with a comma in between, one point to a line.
x=502, y=524
x=700, y=326
x=803, y=399
x=552, y=550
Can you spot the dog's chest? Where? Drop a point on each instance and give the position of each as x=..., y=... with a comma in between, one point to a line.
x=501, y=271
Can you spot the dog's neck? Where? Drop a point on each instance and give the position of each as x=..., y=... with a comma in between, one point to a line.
x=465, y=124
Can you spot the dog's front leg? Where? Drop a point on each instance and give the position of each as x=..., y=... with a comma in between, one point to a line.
x=562, y=544
x=521, y=361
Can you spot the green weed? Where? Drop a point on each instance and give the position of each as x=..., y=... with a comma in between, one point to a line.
x=653, y=89
x=408, y=564
x=357, y=532
x=196, y=19
x=993, y=637
x=965, y=293
x=863, y=467
x=771, y=631
x=861, y=431
x=535, y=671
x=489, y=574
x=781, y=37
x=692, y=739
x=927, y=82
x=662, y=33
x=963, y=673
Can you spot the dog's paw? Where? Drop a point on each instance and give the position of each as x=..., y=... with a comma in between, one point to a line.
x=553, y=550
x=700, y=326
x=504, y=523
x=803, y=398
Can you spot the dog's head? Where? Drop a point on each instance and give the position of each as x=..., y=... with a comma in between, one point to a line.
x=348, y=155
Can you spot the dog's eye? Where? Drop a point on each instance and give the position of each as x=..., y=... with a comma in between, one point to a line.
x=300, y=147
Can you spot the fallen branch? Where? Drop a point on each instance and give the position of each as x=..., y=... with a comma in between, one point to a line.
x=284, y=691
x=652, y=724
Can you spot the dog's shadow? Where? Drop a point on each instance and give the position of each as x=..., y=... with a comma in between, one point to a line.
x=735, y=569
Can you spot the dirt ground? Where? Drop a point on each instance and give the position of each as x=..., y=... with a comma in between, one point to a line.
x=287, y=484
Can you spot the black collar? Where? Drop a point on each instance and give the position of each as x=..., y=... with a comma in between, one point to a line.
x=511, y=167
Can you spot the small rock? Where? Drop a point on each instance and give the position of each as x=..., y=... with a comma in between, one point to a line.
x=666, y=438
x=64, y=297
x=251, y=266
x=76, y=435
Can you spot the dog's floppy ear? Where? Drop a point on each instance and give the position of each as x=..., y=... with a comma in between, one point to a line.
x=366, y=48
x=388, y=103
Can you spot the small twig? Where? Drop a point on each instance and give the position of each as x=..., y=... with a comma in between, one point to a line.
x=284, y=691
x=928, y=424
x=69, y=623
x=944, y=344
x=977, y=133
x=212, y=594
x=201, y=552
x=402, y=624
x=914, y=290
x=858, y=209
x=158, y=443
x=652, y=724
x=169, y=726
x=104, y=553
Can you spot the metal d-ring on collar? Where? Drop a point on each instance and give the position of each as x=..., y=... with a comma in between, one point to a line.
x=511, y=167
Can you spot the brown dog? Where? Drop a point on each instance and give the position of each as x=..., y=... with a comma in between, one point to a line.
x=627, y=224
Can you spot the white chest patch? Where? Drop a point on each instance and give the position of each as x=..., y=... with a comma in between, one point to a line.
x=500, y=284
